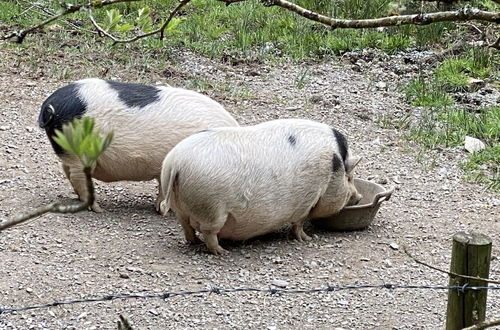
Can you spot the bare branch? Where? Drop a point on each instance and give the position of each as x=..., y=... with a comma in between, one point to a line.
x=69, y=9
x=56, y=207
x=451, y=274
x=483, y=325
x=464, y=14
x=160, y=30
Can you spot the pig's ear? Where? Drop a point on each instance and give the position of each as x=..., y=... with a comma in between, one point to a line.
x=351, y=163
x=47, y=116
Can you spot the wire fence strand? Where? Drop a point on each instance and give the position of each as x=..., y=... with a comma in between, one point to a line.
x=219, y=290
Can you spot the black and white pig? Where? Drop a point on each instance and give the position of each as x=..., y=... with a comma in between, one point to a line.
x=241, y=182
x=147, y=121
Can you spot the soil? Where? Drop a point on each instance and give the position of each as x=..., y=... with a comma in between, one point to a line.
x=129, y=248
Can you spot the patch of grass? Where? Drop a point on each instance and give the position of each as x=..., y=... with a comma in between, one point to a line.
x=199, y=84
x=393, y=43
x=429, y=34
x=450, y=126
x=424, y=92
x=246, y=29
x=388, y=121
x=454, y=73
x=484, y=167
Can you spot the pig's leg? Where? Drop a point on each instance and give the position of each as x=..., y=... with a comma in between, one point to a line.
x=212, y=243
x=189, y=232
x=66, y=170
x=298, y=229
x=210, y=231
x=160, y=197
x=78, y=181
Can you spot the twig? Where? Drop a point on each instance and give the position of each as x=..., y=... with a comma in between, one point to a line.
x=452, y=274
x=496, y=44
x=160, y=30
x=70, y=8
x=483, y=325
x=56, y=207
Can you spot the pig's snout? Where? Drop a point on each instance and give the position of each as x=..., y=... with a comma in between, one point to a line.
x=355, y=198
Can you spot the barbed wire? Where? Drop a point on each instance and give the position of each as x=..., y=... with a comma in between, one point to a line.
x=270, y=290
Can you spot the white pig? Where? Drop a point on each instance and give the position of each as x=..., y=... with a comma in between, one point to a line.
x=238, y=183
x=147, y=121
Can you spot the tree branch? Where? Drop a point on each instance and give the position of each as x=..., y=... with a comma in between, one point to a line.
x=464, y=14
x=483, y=325
x=69, y=9
x=451, y=274
x=56, y=207
x=160, y=30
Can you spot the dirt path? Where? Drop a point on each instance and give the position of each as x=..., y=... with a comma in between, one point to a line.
x=131, y=249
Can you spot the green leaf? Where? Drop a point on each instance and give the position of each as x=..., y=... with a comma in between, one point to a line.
x=144, y=20
x=124, y=27
x=174, y=23
x=113, y=18
x=81, y=139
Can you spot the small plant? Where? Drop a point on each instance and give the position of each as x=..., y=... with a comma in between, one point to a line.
x=302, y=78
x=396, y=42
x=450, y=126
x=80, y=139
x=387, y=121
x=424, y=92
x=454, y=74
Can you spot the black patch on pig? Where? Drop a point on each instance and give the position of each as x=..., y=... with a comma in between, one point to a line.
x=336, y=163
x=292, y=140
x=135, y=95
x=342, y=144
x=66, y=105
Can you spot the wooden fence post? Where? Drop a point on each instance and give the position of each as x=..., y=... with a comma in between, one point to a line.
x=471, y=255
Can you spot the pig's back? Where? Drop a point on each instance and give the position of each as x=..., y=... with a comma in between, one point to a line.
x=144, y=134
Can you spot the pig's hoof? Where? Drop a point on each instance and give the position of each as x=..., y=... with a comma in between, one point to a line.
x=96, y=208
x=218, y=250
x=303, y=237
x=306, y=237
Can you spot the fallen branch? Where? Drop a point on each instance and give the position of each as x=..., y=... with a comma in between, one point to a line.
x=464, y=14
x=55, y=207
x=160, y=30
x=483, y=325
x=69, y=9
x=451, y=274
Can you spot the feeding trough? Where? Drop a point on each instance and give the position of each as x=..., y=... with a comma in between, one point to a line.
x=361, y=215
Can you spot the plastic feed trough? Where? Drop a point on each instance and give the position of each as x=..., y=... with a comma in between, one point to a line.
x=361, y=215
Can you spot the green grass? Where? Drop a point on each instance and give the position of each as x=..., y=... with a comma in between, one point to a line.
x=448, y=127
x=443, y=123
x=454, y=74
x=425, y=92
x=244, y=30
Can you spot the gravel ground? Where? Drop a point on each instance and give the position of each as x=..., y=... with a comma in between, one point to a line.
x=130, y=248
